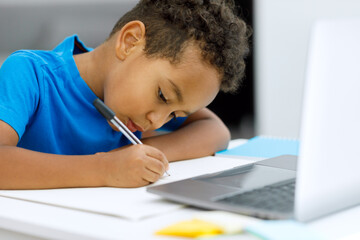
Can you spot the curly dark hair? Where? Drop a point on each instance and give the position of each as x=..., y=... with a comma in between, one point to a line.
x=170, y=24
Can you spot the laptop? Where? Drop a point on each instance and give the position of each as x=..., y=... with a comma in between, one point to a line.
x=325, y=177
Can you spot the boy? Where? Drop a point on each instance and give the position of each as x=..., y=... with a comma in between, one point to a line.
x=163, y=62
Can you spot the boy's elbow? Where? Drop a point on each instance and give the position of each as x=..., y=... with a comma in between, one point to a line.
x=223, y=136
x=226, y=137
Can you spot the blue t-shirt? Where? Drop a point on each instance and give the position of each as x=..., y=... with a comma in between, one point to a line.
x=44, y=99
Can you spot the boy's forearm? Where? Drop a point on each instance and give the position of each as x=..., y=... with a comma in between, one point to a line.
x=25, y=169
x=197, y=139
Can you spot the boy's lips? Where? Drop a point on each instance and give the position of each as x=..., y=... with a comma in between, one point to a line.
x=133, y=127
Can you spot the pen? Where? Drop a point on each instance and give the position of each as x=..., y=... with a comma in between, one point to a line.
x=109, y=115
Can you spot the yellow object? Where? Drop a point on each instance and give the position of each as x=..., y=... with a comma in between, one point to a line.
x=192, y=229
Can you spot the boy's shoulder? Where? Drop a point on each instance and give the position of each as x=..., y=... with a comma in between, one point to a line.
x=21, y=62
x=39, y=58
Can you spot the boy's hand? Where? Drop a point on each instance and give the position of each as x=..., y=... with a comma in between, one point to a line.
x=134, y=166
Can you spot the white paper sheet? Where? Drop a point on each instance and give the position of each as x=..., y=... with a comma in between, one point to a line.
x=196, y=167
x=133, y=204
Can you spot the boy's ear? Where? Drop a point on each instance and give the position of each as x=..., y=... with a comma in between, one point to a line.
x=130, y=37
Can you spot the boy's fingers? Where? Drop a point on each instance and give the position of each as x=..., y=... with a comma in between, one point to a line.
x=143, y=182
x=155, y=166
x=151, y=176
x=157, y=154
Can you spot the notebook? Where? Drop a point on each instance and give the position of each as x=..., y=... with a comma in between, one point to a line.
x=128, y=203
x=263, y=147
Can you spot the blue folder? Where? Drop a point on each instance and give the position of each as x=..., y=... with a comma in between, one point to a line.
x=264, y=147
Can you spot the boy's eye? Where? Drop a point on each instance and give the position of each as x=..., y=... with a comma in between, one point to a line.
x=161, y=95
x=163, y=98
x=173, y=115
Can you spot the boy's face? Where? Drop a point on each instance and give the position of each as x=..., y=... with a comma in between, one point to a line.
x=145, y=93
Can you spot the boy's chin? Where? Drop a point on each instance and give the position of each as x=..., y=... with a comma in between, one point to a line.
x=114, y=128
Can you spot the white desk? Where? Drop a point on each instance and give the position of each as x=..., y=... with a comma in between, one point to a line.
x=28, y=220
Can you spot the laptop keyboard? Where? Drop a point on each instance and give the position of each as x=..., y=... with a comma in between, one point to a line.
x=278, y=197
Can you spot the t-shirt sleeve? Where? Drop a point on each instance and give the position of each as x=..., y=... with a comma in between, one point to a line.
x=19, y=90
x=173, y=124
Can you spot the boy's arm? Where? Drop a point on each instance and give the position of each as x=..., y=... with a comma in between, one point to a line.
x=24, y=169
x=133, y=166
x=202, y=134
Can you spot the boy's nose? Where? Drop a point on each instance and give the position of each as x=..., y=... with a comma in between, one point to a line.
x=158, y=118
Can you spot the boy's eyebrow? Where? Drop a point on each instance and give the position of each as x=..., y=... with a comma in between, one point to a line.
x=177, y=91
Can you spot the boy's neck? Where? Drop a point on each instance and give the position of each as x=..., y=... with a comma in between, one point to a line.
x=93, y=67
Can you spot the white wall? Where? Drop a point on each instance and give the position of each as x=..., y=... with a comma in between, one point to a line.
x=42, y=24
x=282, y=29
